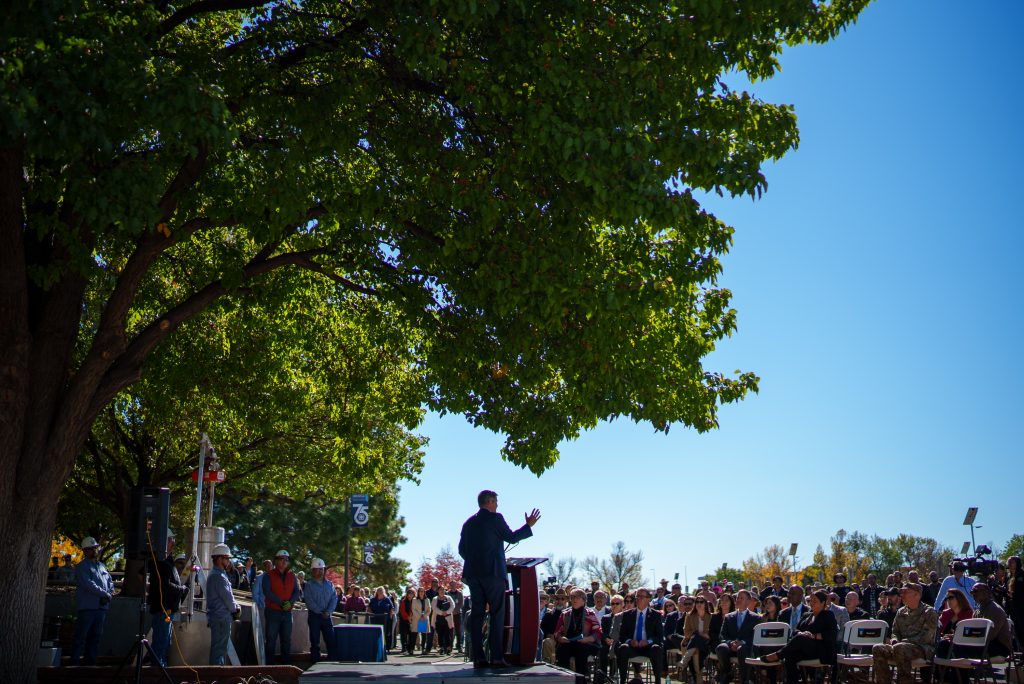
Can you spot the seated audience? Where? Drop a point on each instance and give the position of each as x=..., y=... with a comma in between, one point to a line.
x=641, y=635
x=696, y=641
x=999, y=638
x=815, y=638
x=957, y=609
x=577, y=634
x=736, y=638
x=725, y=606
x=913, y=637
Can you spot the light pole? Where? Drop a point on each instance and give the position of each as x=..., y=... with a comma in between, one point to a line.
x=972, y=513
x=792, y=552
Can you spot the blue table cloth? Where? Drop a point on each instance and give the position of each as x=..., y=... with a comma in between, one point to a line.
x=358, y=643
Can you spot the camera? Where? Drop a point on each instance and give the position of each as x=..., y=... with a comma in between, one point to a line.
x=978, y=565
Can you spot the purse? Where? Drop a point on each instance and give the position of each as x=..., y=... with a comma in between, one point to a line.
x=421, y=626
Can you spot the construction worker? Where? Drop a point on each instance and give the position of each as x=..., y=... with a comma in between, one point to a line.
x=221, y=608
x=95, y=590
x=321, y=599
x=280, y=592
x=166, y=590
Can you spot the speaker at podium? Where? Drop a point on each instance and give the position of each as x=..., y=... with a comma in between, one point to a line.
x=522, y=618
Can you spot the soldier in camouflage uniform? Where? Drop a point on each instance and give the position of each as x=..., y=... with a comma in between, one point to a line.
x=913, y=633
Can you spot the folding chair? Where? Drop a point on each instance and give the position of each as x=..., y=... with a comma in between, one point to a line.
x=973, y=634
x=642, y=664
x=858, y=636
x=767, y=635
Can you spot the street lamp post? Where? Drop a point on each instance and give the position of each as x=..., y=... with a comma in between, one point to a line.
x=972, y=513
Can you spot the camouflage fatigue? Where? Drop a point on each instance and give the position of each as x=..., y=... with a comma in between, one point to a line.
x=915, y=633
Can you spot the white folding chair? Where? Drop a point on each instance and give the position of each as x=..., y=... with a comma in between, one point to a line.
x=859, y=636
x=973, y=634
x=767, y=636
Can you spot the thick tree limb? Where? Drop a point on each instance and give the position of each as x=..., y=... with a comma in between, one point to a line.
x=203, y=7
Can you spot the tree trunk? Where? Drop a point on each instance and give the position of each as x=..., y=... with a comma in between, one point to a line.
x=26, y=528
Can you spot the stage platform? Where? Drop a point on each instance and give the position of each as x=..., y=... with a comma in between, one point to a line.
x=433, y=673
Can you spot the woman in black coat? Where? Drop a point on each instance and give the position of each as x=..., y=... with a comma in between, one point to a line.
x=815, y=638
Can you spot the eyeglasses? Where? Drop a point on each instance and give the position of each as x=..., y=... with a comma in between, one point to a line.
x=629, y=600
x=616, y=603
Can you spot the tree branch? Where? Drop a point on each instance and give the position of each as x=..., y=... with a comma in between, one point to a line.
x=202, y=7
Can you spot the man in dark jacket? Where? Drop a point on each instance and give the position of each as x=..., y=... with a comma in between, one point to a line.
x=164, y=597
x=737, y=638
x=482, y=547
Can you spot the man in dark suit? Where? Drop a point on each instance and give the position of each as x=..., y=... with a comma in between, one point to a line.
x=641, y=634
x=796, y=610
x=482, y=547
x=737, y=638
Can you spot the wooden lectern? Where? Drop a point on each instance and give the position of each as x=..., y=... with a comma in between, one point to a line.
x=522, y=617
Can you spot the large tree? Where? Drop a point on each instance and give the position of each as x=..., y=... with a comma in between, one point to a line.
x=514, y=179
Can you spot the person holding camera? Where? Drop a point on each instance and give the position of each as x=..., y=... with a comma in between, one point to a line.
x=95, y=589
x=221, y=608
x=958, y=579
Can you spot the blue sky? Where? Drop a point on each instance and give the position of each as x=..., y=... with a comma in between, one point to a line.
x=879, y=290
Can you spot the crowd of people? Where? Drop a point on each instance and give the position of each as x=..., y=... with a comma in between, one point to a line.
x=578, y=626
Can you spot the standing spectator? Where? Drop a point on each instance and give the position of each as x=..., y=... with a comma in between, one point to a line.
x=839, y=586
x=164, y=596
x=383, y=612
x=455, y=594
x=442, y=607
x=930, y=591
x=406, y=625
x=658, y=602
x=913, y=637
x=354, y=602
x=257, y=587
x=431, y=595
x=710, y=596
x=592, y=594
x=1015, y=591
x=250, y=571
x=66, y=573
x=956, y=579
x=736, y=639
x=95, y=588
x=871, y=596
x=890, y=605
x=321, y=600
x=1000, y=641
x=774, y=589
x=421, y=617
x=677, y=592
x=280, y=592
x=221, y=608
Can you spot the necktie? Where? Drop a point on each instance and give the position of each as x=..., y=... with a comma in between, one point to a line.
x=739, y=619
x=639, y=625
x=794, y=619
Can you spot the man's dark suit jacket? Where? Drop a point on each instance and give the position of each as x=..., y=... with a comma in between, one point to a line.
x=731, y=631
x=482, y=545
x=653, y=627
x=785, y=615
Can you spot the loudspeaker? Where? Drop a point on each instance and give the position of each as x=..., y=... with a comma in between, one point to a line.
x=150, y=512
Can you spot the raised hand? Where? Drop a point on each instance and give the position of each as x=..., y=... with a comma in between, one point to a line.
x=532, y=517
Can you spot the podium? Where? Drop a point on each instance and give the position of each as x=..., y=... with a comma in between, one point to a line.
x=522, y=618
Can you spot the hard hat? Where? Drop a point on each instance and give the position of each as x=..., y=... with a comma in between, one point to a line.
x=220, y=550
x=179, y=557
x=318, y=564
x=89, y=543
x=282, y=554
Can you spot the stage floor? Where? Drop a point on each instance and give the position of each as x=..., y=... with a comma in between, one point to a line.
x=433, y=673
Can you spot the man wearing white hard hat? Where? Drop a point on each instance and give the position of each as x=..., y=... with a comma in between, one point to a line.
x=95, y=589
x=280, y=592
x=321, y=599
x=221, y=607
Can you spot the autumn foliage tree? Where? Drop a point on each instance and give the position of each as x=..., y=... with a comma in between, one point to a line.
x=445, y=567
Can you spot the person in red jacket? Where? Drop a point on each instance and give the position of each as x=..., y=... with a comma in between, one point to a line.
x=280, y=592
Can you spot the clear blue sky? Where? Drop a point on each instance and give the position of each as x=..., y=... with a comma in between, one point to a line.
x=878, y=284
